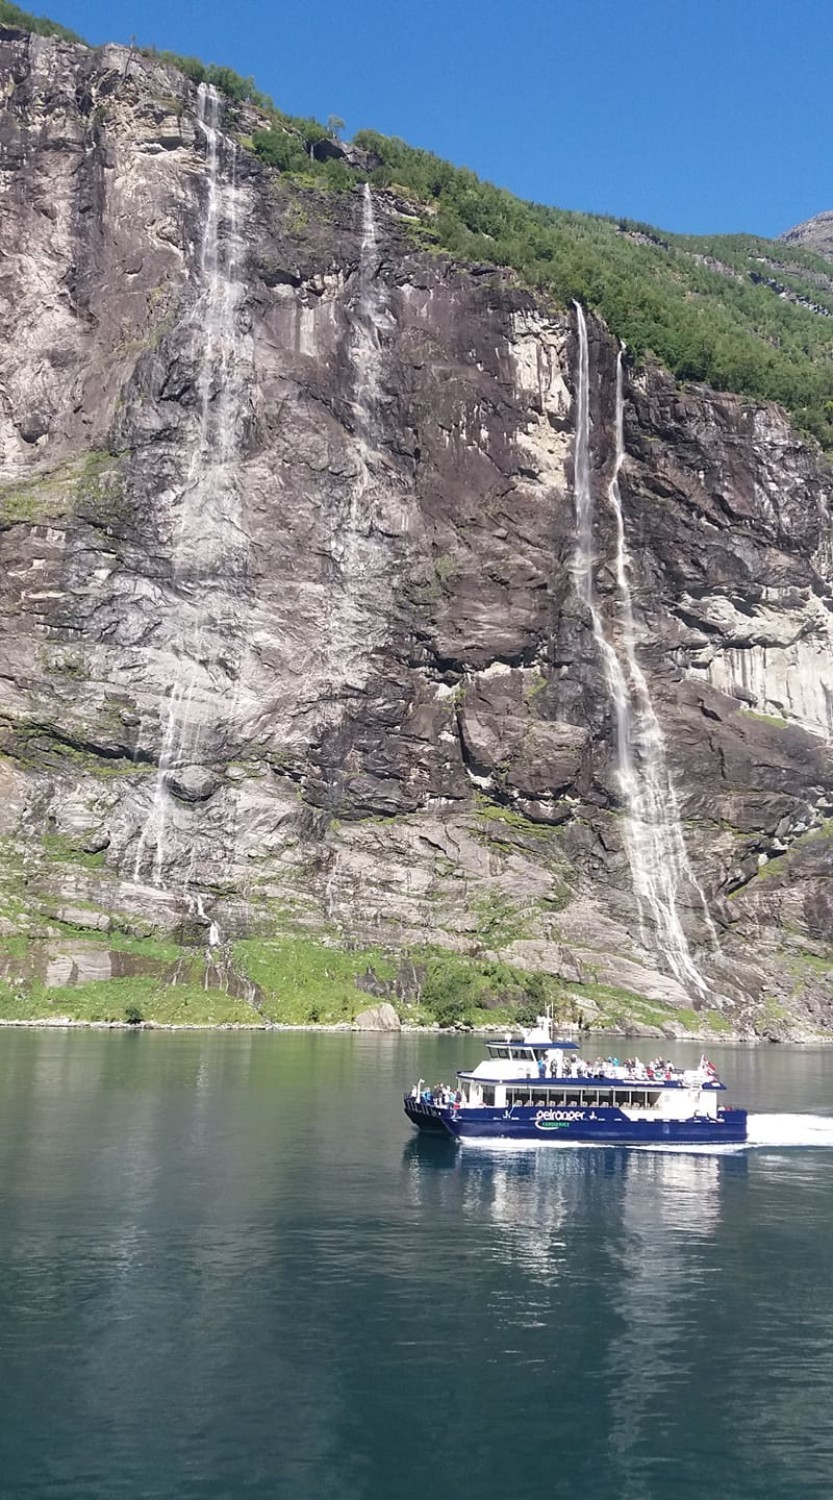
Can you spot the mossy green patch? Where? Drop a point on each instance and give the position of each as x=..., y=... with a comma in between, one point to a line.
x=16, y=946
x=40, y=746
x=499, y=920
x=509, y=817
x=461, y=989
x=780, y=865
x=67, y=664
x=99, y=494
x=13, y=902
x=138, y=998
x=816, y=963
x=771, y=1012
x=303, y=981
x=91, y=486
x=618, y=1007
x=776, y=721
x=64, y=850
x=534, y=685
x=154, y=948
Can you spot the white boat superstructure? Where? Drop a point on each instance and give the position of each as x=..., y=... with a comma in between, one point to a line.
x=537, y=1085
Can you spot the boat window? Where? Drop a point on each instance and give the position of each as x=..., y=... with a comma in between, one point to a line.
x=653, y=1100
x=488, y=1096
x=573, y=1101
x=590, y=1099
x=605, y=1099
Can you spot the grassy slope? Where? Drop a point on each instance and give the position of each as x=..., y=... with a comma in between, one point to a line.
x=300, y=980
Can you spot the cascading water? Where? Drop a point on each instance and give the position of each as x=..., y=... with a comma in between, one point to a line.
x=215, y=937
x=371, y=309
x=209, y=543
x=654, y=844
x=353, y=546
x=365, y=356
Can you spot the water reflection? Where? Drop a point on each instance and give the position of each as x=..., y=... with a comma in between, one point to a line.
x=227, y=1244
x=650, y=1208
x=670, y=1205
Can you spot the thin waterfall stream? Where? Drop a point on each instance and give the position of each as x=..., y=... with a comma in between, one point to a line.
x=653, y=838
x=209, y=541
x=353, y=547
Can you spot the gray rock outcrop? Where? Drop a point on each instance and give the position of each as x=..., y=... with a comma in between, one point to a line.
x=813, y=234
x=378, y=1018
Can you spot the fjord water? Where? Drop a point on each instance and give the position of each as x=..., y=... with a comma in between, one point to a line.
x=230, y=1271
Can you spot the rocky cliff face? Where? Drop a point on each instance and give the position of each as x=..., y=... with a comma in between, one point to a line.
x=291, y=635
x=814, y=234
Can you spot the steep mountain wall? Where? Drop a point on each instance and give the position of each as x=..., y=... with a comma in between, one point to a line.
x=814, y=234
x=291, y=634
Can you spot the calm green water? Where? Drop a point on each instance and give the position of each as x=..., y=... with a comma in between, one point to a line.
x=227, y=1270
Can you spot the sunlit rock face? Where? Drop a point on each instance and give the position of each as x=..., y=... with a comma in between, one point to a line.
x=291, y=627
x=814, y=234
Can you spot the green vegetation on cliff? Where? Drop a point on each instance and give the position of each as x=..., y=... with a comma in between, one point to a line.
x=233, y=85
x=741, y=313
x=291, y=979
x=738, y=312
x=12, y=15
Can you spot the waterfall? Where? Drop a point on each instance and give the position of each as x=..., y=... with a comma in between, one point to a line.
x=208, y=543
x=350, y=624
x=371, y=309
x=215, y=936
x=653, y=838
x=366, y=359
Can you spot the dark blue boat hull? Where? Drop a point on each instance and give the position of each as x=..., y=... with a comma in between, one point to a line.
x=600, y=1126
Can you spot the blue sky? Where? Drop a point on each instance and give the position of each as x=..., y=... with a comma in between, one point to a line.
x=696, y=115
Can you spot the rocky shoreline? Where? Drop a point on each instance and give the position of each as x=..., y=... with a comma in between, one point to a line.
x=342, y=1028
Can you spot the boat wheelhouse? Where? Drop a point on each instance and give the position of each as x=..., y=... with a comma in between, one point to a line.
x=540, y=1089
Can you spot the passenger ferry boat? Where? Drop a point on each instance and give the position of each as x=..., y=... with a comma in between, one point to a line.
x=539, y=1089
